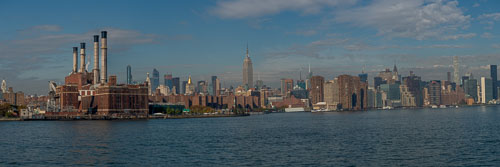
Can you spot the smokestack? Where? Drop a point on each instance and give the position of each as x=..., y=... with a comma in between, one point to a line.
x=75, y=59
x=104, y=57
x=82, y=57
x=96, y=59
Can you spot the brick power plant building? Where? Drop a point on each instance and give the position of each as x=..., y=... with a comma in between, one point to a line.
x=93, y=93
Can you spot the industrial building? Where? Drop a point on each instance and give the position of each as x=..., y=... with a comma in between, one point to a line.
x=93, y=93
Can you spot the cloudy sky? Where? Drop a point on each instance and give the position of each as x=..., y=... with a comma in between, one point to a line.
x=204, y=38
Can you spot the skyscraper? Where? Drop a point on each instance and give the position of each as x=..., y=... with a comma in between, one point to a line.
x=189, y=90
x=456, y=71
x=214, y=86
x=4, y=86
x=168, y=81
x=486, y=92
x=176, y=83
x=155, y=81
x=494, y=80
x=316, y=90
x=286, y=86
x=129, y=75
x=183, y=88
x=435, y=92
x=247, y=71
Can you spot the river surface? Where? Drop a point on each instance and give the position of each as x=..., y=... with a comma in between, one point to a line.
x=467, y=136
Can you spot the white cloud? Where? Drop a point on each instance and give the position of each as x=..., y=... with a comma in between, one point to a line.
x=238, y=9
x=489, y=19
x=476, y=5
x=419, y=19
x=458, y=36
x=486, y=35
x=497, y=46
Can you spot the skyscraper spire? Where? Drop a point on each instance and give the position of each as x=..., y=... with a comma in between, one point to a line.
x=247, y=50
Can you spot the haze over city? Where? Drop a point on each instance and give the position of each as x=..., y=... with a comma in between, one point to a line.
x=210, y=37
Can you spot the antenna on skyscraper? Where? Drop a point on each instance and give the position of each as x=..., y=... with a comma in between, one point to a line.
x=247, y=50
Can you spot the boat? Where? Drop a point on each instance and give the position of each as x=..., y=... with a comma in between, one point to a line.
x=442, y=106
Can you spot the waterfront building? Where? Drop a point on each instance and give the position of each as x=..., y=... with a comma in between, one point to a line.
x=486, y=90
x=286, y=86
x=413, y=86
x=407, y=97
x=316, y=90
x=82, y=95
x=434, y=94
x=494, y=81
x=247, y=71
x=331, y=94
x=352, y=93
x=129, y=75
x=470, y=88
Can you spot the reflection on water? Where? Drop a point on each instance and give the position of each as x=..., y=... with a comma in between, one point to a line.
x=426, y=137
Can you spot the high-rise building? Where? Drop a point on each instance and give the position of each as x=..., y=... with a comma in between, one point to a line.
x=176, y=83
x=363, y=77
x=168, y=81
x=470, y=88
x=352, y=93
x=301, y=84
x=247, y=71
x=4, y=86
x=435, y=92
x=259, y=83
x=214, y=86
x=183, y=87
x=486, y=90
x=129, y=75
x=308, y=78
x=448, y=74
x=286, y=86
x=456, y=71
x=331, y=94
x=155, y=80
x=218, y=87
x=316, y=90
x=494, y=80
x=413, y=86
x=392, y=91
x=189, y=87
x=377, y=81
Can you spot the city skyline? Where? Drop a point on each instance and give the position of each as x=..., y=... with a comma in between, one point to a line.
x=323, y=34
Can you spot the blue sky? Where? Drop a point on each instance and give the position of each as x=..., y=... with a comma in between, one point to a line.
x=204, y=38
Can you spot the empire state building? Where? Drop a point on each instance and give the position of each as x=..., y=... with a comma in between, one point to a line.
x=247, y=71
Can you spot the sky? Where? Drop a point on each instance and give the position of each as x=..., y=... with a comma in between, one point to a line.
x=209, y=37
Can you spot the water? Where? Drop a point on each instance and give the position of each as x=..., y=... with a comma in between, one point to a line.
x=425, y=137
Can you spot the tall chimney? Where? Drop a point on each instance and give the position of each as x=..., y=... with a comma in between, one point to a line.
x=82, y=57
x=96, y=59
x=104, y=57
x=75, y=59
